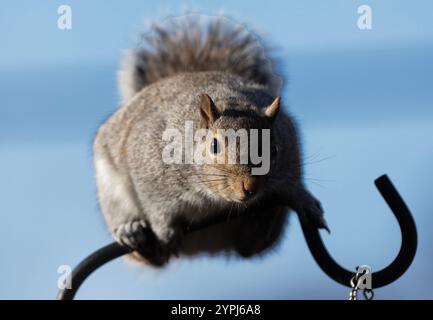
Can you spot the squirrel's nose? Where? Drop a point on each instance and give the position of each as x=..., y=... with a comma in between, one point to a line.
x=250, y=185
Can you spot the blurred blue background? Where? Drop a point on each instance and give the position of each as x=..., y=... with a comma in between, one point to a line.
x=363, y=100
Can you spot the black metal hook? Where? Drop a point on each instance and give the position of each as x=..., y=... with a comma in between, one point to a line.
x=400, y=264
x=381, y=278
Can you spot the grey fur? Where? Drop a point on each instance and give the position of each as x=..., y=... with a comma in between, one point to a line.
x=140, y=195
x=189, y=45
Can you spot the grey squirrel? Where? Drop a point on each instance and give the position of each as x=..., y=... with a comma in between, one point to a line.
x=218, y=77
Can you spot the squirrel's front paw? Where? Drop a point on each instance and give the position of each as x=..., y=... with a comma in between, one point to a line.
x=310, y=208
x=131, y=234
x=138, y=236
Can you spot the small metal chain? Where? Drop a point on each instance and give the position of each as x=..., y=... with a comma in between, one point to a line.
x=355, y=283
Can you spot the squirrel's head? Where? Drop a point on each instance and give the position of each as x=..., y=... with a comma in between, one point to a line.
x=240, y=147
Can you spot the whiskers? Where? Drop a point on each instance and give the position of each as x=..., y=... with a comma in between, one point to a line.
x=211, y=179
x=312, y=160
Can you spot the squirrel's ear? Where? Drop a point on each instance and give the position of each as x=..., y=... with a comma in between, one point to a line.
x=208, y=111
x=272, y=110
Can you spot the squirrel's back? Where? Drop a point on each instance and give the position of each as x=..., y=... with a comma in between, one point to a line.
x=189, y=45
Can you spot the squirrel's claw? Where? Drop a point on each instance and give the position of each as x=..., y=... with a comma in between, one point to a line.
x=324, y=225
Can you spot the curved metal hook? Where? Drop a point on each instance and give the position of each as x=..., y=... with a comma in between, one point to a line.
x=400, y=264
x=88, y=265
x=314, y=241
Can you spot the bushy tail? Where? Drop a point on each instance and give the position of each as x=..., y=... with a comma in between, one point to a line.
x=187, y=44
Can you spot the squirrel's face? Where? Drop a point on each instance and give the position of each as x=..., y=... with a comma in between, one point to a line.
x=234, y=135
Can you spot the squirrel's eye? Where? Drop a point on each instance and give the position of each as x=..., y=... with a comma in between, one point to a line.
x=214, y=146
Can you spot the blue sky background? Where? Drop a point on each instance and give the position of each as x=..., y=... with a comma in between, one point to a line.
x=363, y=100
